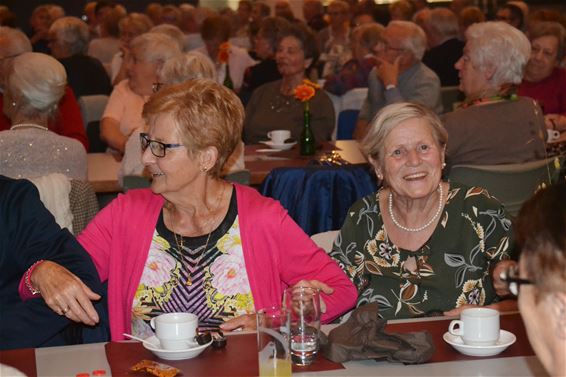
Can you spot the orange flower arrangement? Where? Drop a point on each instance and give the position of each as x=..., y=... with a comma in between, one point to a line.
x=224, y=52
x=306, y=90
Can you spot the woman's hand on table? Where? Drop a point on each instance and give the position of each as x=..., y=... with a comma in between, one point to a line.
x=243, y=322
x=65, y=293
x=318, y=285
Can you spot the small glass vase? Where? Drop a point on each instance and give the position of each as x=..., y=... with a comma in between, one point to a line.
x=307, y=144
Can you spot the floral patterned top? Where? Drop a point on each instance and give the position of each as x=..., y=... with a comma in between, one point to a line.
x=451, y=269
x=220, y=288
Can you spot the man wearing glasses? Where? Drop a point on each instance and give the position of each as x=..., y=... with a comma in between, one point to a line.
x=400, y=75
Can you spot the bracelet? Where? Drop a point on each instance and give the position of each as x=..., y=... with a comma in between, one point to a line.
x=28, y=275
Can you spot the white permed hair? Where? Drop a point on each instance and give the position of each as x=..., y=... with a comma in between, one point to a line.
x=416, y=37
x=500, y=47
x=73, y=33
x=155, y=47
x=36, y=83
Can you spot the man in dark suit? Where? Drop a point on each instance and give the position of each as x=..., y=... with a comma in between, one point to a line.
x=442, y=30
x=29, y=234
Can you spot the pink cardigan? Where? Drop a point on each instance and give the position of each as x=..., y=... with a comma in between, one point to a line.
x=277, y=253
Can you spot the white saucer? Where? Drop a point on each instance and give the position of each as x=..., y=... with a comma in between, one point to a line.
x=281, y=147
x=173, y=354
x=506, y=338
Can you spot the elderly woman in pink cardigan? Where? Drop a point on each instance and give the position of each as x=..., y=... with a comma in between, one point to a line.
x=194, y=242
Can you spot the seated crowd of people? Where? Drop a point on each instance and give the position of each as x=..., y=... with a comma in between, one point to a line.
x=188, y=87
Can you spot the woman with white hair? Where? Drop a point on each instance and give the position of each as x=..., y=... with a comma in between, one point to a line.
x=420, y=245
x=123, y=113
x=68, y=40
x=35, y=84
x=494, y=125
x=68, y=120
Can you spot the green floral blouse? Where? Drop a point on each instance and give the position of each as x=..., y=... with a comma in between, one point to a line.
x=451, y=269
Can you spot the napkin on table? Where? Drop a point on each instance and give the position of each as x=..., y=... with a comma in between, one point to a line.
x=363, y=336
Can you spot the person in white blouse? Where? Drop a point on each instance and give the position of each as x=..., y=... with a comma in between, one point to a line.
x=215, y=31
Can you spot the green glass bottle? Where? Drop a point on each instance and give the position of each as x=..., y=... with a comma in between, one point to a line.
x=307, y=136
x=228, y=80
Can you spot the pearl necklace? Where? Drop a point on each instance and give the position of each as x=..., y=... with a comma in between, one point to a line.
x=29, y=125
x=421, y=227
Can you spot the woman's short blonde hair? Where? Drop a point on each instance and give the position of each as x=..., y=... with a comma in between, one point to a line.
x=189, y=66
x=373, y=144
x=206, y=114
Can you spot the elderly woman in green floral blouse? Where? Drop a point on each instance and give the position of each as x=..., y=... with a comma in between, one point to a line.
x=421, y=245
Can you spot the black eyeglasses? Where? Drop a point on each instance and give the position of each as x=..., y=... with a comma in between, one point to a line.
x=514, y=282
x=158, y=149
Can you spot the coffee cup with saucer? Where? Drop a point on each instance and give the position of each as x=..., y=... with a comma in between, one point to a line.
x=192, y=349
x=279, y=136
x=280, y=146
x=175, y=330
x=506, y=339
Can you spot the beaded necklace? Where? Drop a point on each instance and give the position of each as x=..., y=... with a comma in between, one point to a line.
x=508, y=94
x=181, y=244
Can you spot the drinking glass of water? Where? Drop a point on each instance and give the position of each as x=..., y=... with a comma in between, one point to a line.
x=303, y=304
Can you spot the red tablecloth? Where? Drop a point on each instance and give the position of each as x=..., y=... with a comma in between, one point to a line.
x=239, y=358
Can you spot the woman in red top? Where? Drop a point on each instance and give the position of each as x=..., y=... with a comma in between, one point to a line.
x=544, y=80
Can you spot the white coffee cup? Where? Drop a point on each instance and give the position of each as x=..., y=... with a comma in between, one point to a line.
x=477, y=326
x=279, y=136
x=552, y=135
x=175, y=331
